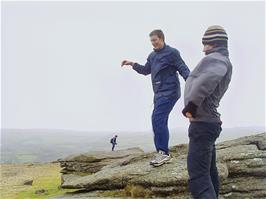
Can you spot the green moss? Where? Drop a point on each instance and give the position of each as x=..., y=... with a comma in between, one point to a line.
x=50, y=183
x=112, y=193
x=47, y=183
x=134, y=191
x=137, y=191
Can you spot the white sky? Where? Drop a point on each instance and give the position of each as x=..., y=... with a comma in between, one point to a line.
x=61, y=61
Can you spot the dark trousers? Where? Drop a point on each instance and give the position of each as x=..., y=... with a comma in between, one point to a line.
x=201, y=162
x=113, y=147
x=160, y=114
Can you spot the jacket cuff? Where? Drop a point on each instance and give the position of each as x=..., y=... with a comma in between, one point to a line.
x=191, y=108
x=134, y=66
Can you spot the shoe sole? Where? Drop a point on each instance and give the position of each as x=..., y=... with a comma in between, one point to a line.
x=159, y=164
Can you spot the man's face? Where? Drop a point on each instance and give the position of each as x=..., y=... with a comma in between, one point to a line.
x=207, y=47
x=156, y=42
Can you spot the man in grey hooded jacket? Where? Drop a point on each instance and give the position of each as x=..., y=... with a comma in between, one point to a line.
x=204, y=88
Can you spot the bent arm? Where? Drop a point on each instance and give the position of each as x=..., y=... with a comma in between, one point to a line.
x=180, y=65
x=144, y=70
x=204, y=85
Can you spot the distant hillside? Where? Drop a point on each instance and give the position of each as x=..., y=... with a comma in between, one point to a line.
x=45, y=145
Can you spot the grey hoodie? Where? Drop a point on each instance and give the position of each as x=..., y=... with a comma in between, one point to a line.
x=207, y=84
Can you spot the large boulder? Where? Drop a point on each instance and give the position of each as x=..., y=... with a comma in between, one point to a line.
x=241, y=164
x=92, y=162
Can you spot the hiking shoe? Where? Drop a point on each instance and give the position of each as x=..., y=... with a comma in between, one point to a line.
x=160, y=159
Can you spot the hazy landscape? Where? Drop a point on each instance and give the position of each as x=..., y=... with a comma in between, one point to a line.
x=64, y=94
x=45, y=145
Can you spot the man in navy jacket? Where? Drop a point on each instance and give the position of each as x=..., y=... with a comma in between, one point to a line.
x=113, y=142
x=163, y=64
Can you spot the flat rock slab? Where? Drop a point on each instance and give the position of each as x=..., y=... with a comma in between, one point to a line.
x=241, y=164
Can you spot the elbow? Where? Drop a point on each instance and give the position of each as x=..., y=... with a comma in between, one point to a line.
x=146, y=73
x=143, y=73
x=186, y=75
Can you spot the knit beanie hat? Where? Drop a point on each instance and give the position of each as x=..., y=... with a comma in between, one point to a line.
x=215, y=35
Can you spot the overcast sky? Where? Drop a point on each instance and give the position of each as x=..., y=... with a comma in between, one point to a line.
x=61, y=61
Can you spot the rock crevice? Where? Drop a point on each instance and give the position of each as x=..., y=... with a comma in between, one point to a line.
x=241, y=164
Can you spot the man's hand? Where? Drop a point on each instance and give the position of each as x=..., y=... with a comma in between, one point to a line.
x=126, y=62
x=190, y=110
x=188, y=115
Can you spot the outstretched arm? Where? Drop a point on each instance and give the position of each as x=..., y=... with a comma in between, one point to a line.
x=144, y=70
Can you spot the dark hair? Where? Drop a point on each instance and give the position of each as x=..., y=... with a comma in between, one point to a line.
x=157, y=32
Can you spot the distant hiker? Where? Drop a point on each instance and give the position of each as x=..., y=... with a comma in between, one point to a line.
x=113, y=142
x=163, y=64
x=205, y=87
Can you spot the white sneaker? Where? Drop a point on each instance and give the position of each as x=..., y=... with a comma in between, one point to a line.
x=160, y=159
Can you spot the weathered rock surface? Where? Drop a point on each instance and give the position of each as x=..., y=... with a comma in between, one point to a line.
x=241, y=164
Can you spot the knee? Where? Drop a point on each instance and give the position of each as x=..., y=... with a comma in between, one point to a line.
x=158, y=120
x=155, y=120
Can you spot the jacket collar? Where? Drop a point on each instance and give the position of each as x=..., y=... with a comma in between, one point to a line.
x=222, y=50
x=159, y=50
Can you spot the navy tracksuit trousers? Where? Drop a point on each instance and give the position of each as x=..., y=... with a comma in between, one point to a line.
x=160, y=114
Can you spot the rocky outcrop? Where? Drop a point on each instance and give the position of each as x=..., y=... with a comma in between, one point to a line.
x=241, y=164
x=93, y=162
